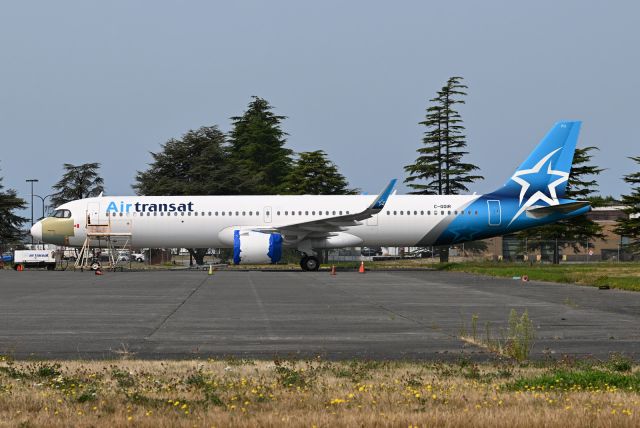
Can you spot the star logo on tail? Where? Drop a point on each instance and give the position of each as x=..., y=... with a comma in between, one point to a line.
x=538, y=179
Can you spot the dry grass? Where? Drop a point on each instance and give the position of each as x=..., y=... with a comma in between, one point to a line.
x=317, y=393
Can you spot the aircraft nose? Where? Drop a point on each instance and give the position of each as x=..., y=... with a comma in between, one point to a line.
x=36, y=231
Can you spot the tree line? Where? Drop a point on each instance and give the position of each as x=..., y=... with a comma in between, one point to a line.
x=253, y=159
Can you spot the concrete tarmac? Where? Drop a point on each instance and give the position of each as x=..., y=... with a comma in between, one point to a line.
x=390, y=315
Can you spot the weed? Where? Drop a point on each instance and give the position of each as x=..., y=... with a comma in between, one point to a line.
x=289, y=375
x=619, y=363
x=357, y=370
x=11, y=371
x=47, y=370
x=123, y=378
x=87, y=395
x=474, y=326
x=520, y=337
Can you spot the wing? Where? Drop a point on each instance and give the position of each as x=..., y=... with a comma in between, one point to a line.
x=327, y=225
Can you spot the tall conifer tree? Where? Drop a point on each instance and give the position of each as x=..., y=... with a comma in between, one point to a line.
x=78, y=182
x=630, y=226
x=313, y=174
x=257, y=148
x=439, y=168
x=10, y=222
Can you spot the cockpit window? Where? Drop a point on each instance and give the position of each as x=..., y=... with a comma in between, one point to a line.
x=61, y=214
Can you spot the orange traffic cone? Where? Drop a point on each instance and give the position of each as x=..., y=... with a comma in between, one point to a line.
x=361, y=270
x=333, y=269
x=98, y=271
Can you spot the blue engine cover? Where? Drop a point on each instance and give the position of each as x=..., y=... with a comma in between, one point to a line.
x=256, y=247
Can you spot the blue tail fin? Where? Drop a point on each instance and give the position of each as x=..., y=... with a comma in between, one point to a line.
x=546, y=171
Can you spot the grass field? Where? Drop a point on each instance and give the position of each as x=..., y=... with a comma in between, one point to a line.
x=318, y=393
x=625, y=276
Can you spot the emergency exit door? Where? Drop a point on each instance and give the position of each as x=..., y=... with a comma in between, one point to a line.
x=495, y=213
x=93, y=214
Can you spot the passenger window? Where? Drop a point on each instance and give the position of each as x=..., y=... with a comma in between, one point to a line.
x=395, y=213
x=244, y=213
x=250, y=212
x=448, y=212
x=388, y=212
x=258, y=213
x=421, y=212
x=278, y=213
x=476, y=212
x=237, y=214
x=222, y=213
x=334, y=213
x=347, y=212
x=230, y=213
x=313, y=213
x=340, y=213
x=401, y=212
x=306, y=213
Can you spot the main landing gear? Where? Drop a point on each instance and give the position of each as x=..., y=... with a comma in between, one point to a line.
x=310, y=263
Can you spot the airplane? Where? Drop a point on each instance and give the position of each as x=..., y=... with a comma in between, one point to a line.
x=257, y=228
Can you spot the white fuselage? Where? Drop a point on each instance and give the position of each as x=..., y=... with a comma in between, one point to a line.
x=201, y=221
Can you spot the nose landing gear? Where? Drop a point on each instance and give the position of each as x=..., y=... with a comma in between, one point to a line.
x=309, y=263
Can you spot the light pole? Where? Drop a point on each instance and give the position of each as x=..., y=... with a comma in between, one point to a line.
x=43, y=201
x=43, y=205
x=32, y=180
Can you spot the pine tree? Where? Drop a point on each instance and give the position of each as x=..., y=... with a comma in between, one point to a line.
x=10, y=222
x=630, y=225
x=78, y=182
x=576, y=231
x=257, y=148
x=440, y=161
x=196, y=164
x=439, y=168
x=313, y=174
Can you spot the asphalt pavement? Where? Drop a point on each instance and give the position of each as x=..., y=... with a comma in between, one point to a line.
x=254, y=314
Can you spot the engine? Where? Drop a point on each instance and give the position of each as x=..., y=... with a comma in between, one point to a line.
x=255, y=247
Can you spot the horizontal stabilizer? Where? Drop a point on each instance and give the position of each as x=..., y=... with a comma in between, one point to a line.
x=540, y=212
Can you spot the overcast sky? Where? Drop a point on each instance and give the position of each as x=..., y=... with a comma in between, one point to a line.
x=109, y=81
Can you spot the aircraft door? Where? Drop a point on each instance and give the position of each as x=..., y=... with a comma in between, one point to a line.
x=267, y=214
x=495, y=213
x=93, y=213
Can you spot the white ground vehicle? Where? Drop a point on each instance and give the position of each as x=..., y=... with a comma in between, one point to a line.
x=34, y=258
x=138, y=257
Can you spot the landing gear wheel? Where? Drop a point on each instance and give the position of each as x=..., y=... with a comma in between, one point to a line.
x=310, y=263
x=95, y=266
